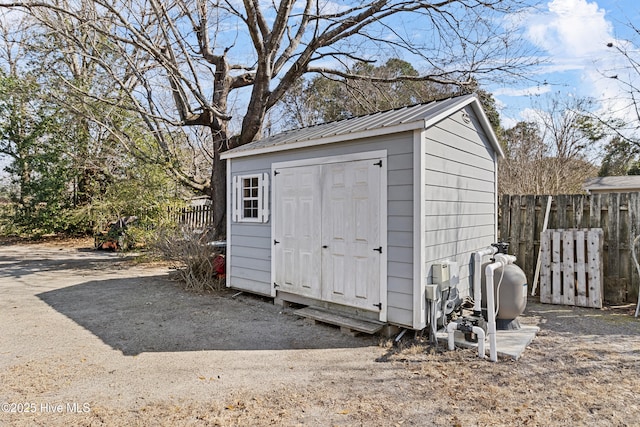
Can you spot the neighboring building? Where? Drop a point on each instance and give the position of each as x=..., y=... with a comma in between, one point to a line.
x=353, y=215
x=612, y=184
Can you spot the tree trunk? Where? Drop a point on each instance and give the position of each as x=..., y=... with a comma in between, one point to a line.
x=218, y=189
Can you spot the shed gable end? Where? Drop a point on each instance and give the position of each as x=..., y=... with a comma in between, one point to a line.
x=460, y=194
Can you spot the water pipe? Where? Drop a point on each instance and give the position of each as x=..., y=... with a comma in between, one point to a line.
x=501, y=260
x=453, y=326
x=477, y=277
x=635, y=260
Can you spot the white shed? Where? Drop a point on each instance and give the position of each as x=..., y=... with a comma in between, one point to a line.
x=352, y=216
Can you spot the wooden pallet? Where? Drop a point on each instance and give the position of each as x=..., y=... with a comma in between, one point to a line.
x=571, y=268
x=347, y=324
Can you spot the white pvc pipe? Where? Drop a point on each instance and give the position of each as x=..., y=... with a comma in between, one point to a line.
x=635, y=260
x=453, y=326
x=480, y=333
x=477, y=277
x=501, y=261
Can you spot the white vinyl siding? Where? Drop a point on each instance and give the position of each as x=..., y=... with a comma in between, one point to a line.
x=246, y=275
x=441, y=205
x=460, y=194
x=248, y=243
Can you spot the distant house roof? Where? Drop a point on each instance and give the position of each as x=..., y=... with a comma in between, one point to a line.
x=421, y=116
x=612, y=184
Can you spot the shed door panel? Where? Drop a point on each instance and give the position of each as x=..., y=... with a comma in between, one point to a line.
x=350, y=234
x=297, y=231
x=327, y=225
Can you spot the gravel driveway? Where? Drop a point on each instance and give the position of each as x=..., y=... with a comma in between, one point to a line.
x=90, y=338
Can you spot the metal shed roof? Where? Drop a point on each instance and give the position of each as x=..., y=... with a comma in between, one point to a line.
x=421, y=116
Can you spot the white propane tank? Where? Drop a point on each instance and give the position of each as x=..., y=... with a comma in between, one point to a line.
x=510, y=292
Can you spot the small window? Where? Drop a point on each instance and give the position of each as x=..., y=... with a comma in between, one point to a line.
x=250, y=198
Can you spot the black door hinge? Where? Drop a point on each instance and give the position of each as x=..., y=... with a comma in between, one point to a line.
x=275, y=173
x=378, y=163
x=275, y=285
x=379, y=305
x=378, y=249
x=275, y=242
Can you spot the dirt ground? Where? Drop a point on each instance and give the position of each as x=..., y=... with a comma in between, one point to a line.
x=91, y=338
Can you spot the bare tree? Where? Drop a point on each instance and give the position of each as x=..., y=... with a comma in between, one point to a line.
x=619, y=119
x=552, y=153
x=192, y=64
x=624, y=120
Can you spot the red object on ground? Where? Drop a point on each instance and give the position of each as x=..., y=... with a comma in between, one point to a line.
x=220, y=265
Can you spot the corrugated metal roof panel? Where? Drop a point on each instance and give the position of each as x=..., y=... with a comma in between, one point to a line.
x=403, y=115
x=386, y=121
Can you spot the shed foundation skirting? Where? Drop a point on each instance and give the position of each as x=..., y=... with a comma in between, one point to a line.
x=341, y=316
x=349, y=325
x=286, y=299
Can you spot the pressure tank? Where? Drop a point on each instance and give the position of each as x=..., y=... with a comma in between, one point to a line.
x=510, y=295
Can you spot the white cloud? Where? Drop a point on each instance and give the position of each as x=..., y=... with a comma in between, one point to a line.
x=571, y=29
x=528, y=91
x=530, y=115
x=330, y=7
x=508, y=122
x=524, y=115
x=573, y=36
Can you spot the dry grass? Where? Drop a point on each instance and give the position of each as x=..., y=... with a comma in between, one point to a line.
x=562, y=379
x=583, y=369
x=192, y=257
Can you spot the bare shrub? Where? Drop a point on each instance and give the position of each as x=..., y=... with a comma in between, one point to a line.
x=193, y=257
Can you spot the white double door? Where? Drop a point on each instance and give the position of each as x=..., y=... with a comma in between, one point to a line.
x=327, y=231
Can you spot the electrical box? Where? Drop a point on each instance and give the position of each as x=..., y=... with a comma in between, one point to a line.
x=431, y=292
x=445, y=274
x=440, y=274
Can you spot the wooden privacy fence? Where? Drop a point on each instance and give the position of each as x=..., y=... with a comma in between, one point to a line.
x=617, y=214
x=571, y=261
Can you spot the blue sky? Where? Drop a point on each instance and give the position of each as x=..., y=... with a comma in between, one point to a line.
x=572, y=36
x=569, y=36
